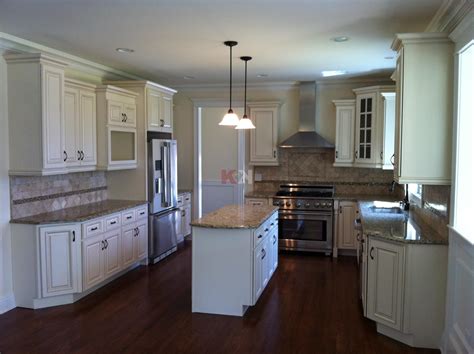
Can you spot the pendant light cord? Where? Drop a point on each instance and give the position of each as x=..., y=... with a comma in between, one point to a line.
x=245, y=91
x=230, y=85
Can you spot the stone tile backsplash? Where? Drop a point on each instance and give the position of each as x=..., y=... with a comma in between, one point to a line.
x=316, y=166
x=434, y=208
x=32, y=195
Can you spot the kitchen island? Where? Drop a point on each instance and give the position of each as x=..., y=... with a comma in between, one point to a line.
x=234, y=255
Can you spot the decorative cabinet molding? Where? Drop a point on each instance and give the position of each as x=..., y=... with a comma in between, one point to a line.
x=80, y=126
x=264, y=138
x=116, y=128
x=345, y=121
x=369, y=126
x=67, y=260
x=36, y=114
x=423, y=128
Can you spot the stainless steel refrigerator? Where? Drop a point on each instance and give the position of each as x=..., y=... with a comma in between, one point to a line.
x=162, y=197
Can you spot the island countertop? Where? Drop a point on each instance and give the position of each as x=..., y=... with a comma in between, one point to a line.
x=400, y=227
x=236, y=217
x=79, y=213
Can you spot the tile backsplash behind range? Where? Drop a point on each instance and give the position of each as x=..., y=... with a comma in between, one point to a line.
x=40, y=194
x=316, y=166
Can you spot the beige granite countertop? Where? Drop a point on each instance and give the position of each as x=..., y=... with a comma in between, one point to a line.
x=236, y=217
x=402, y=226
x=80, y=213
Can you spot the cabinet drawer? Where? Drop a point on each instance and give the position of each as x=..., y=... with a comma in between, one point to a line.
x=141, y=212
x=94, y=227
x=260, y=234
x=113, y=222
x=128, y=217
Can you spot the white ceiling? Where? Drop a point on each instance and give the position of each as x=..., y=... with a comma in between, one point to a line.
x=288, y=39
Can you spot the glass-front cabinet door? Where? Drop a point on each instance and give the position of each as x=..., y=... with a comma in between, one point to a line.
x=365, y=128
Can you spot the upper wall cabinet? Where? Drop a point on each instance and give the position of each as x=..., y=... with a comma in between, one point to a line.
x=423, y=126
x=264, y=138
x=80, y=126
x=154, y=103
x=345, y=117
x=116, y=128
x=370, y=128
x=36, y=114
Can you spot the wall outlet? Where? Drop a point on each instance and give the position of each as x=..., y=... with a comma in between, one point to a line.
x=258, y=177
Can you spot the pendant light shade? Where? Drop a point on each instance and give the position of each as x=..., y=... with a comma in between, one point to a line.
x=245, y=122
x=230, y=119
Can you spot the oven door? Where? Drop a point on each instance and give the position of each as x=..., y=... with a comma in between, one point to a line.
x=305, y=231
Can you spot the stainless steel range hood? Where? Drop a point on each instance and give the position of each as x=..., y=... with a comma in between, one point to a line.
x=307, y=137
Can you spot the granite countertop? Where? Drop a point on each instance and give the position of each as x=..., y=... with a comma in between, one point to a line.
x=260, y=194
x=79, y=213
x=236, y=217
x=399, y=227
x=367, y=197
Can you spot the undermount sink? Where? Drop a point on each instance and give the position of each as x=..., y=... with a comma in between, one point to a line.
x=388, y=210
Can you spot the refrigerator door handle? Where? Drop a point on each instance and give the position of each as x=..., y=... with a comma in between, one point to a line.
x=165, y=162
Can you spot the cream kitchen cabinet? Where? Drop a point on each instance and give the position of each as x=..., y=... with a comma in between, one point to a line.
x=36, y=114
x=424, y=110
x=346, y=237
x=345, y=124
x=258, y=201
x=388, y=142
x=80, y=126
x=369, y=126
x=60, y=260
x=116, y=128
x=183, y=221
x=264, y=138
x=59, y=264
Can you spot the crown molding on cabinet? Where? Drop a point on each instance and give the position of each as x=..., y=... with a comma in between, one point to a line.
x=13, y=44
x=135, y=83
x=277, y=85
x=449, y=15
x=362, y=81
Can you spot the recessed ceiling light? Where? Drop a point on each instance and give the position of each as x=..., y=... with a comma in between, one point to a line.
x=188, y=77
x=389, y=57
x=262, y=75
x=124, y=50
x=340, y=39
x=327, y=73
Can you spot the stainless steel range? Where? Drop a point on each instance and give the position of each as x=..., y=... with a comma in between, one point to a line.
x=305, y=217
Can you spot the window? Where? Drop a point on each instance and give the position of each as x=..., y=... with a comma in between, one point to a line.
x=463, y=221
x=415, y=191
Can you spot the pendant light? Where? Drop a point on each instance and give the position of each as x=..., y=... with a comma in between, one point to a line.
x=245, y=122
x=230, y=118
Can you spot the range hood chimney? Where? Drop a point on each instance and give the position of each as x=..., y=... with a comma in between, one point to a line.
x=307, y=137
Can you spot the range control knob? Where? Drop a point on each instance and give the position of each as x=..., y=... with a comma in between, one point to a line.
x=288, y=204
x=307, y=205
x=298, y=204
x=316, y=205
x=323, y=205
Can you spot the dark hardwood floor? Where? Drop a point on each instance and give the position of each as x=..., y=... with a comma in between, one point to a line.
x=310, y=306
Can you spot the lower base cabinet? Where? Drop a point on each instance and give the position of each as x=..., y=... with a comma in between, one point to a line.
x=69, y=259
x=183, y=221
x=405, y=289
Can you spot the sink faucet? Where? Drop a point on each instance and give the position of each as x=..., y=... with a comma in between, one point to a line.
x=405, y=203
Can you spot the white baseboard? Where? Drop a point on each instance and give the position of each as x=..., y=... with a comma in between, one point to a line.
x=7, y=303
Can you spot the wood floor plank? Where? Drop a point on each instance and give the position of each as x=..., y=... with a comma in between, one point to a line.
x=310, y=306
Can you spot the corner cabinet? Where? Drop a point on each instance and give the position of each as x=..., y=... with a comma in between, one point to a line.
x=424, y=114
x=36, y=114
x=369, y=126
x=116, y=128
x=345, y=120
x=80, y=126
x=264, y=138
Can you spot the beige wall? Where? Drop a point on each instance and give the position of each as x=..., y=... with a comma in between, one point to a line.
x=5, y=240
x=288, y=95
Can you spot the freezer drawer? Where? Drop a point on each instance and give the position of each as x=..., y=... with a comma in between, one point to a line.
x=162, y=234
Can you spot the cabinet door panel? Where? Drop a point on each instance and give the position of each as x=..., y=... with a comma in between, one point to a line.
x=71, y=125
x=87, y=132
x=153, y=110
x=167, y=111
x=93, y=257
x=274, y=248
x=128, y=240
x=130, y=111
x=187, y=220
x=115, y=110
x=345, y=134
x=141, y=241
x=346, y=232
x=257, y=273
x=385, y=283
x=53, y=117
x=112, y=253
x=263, y=144
x=60, y=263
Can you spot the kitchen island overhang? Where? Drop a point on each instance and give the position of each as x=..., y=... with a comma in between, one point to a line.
x=234, y=256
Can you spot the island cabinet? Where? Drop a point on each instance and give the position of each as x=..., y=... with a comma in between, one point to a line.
x=235, y=254
x=59, y=262
x=424, y=113
x=36, y=114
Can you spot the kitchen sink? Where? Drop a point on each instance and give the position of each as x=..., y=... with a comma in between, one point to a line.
x=387, y=210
